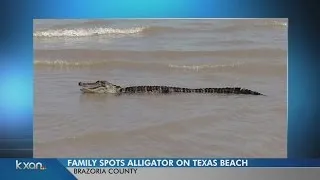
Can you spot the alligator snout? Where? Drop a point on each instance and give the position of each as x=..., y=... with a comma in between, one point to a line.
x=88, y=84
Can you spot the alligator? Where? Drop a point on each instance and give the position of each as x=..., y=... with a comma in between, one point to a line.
x=105, y=87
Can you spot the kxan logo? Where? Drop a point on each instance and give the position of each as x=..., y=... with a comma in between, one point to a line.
x=22, y=165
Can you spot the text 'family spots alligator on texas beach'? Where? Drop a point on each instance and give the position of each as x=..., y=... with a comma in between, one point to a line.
x=103, y=87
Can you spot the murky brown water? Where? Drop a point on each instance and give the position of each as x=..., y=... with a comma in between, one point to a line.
x=187, y=53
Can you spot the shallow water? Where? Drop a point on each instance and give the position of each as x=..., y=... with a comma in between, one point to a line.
x=187, y=53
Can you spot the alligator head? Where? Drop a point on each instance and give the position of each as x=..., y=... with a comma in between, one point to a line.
x=99, y=87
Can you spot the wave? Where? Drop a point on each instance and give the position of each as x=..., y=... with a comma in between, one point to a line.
x=83, y=32
x=100, y=27
x=98, y=31
x=65, y=63
x=134, y=65
x=245, y=68
x=206, y=66
x=171, y=55
x=279, y=23
x=92, y=64
x=240, y=25
x=59, y=62
x=129, y=63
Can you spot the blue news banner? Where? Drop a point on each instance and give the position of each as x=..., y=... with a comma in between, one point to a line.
x=61, y=168
x=186, y=162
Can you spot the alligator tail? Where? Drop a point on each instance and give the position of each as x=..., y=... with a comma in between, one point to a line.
x=167, y=89
x=227, y=90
